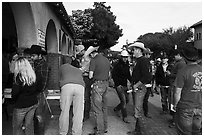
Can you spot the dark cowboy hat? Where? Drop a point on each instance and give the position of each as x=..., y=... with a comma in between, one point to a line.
x=36, y=49
x=190, y=53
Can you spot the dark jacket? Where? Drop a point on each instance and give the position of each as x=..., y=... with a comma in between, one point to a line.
x=161, y=78
x=141, y=71
x=26, y=96
x=121, y=73
x=41, y=68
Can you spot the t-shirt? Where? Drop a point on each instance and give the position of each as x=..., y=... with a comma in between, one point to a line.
x=100, y=65
x=70, y=74
x=190, y=80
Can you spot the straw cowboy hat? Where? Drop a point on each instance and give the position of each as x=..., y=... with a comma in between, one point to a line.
x=35, y=49
x=90, y=50
x=148, y=51
x=137, y=45
x=190, y=53
x=124, y=53
x=79, y=48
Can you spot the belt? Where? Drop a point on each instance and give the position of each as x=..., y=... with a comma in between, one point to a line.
x=98, y=81
x=165, y=86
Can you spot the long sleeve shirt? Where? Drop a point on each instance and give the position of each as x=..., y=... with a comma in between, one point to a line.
x=121, y=73
x=141, y=71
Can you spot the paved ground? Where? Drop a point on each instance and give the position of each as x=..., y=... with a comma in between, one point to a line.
x=157, y=125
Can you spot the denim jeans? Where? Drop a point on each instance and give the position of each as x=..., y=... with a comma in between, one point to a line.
x=164, y=98
x=139, y=97
x=124, y=99
x=145, y=101
x=23, y=117
x=87, y=95
x=71, y=93
x=99, y=104
x=189, y=121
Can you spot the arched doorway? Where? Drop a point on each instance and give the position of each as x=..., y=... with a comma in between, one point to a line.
x=51, y=38
x=64, y=45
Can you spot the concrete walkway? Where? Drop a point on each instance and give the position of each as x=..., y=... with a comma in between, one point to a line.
x=157, y=125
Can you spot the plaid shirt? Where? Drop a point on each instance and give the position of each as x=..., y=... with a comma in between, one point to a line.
x=41, y=68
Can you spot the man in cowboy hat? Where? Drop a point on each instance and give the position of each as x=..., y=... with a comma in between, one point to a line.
x=140, y=76
x=121, y=75
x=85, y=62
x=41, y=68
x=99, y=72
x=147, y=54
x=188, y=95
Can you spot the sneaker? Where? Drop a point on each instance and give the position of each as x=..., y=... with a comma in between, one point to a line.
x=125, y=120
x=148, y=116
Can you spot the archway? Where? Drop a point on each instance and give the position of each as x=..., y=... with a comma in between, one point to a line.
x=51, y=38
x=64, y=45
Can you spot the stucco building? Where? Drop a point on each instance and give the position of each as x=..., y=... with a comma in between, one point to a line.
x=41, y=23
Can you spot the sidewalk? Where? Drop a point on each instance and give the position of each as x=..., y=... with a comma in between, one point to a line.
x=157, y=125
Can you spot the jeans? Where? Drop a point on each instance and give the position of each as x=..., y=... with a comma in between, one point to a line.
x=39, y=116
x=145, y=101
x=188, y=121
x=23, y=117
x=124, y=99
x=164, y=98
x=139, y=97
x=87, y=95
x=99, y=104
x=71, y=93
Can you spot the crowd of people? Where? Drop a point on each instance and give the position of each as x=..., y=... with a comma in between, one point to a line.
x=84, y=83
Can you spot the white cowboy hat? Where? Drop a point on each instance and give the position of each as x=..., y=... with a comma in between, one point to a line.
x=90, y=50
x=79, y=48
x=148, y=51
x=137, y=45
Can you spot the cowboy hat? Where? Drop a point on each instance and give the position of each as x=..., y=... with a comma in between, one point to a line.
x=79, y=48
x=148, y=51
x=36, y=49
x=137, y=45
x=190, y=53
x=124, y=53
x=90, y=50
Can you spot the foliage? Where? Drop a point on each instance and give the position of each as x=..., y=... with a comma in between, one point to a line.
x=166, y=40
x=96, y=26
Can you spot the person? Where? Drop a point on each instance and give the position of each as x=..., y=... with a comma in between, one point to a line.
x=121, y=75
x=147, y=54
x=72, y=91
x=178, y=65
x=140, y=76
x=99, y=72
x=188, y=95
x=163, y=82
x=41, y=68
x=24, y=94
x=85, y=63
x=76, y=61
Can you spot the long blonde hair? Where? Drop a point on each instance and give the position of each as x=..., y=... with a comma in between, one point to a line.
x=24, y=68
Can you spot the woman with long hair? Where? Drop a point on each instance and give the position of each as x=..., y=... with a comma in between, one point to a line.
x=24, y=93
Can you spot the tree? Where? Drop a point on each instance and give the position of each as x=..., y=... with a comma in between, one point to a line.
x=96, y=26
x=166, y=40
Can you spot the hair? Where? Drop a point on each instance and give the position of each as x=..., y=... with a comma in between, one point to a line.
x=25, y=71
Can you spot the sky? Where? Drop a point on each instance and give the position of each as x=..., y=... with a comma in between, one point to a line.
x=138, y=18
